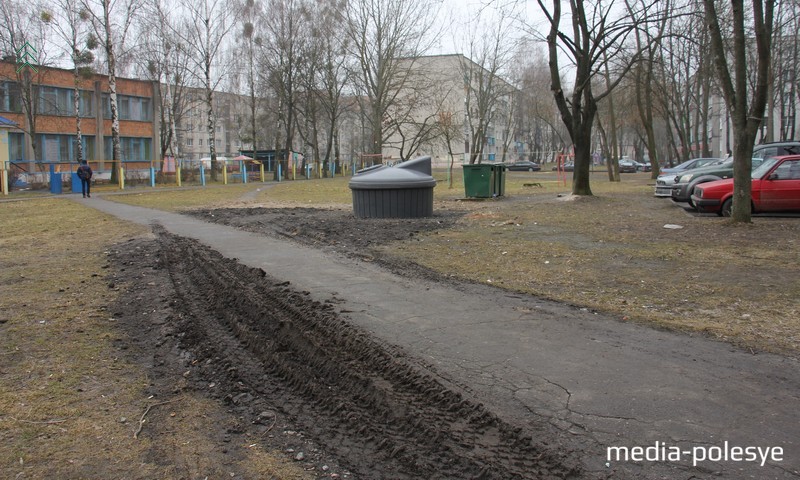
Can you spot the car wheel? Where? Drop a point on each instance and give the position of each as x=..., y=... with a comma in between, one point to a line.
x=691, y=203
x=726, y=208
x=530, y=169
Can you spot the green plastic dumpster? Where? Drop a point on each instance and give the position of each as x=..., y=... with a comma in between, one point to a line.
x=498, y=180
x=484, y=180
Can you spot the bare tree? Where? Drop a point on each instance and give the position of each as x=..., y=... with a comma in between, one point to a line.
x=786, y=57
x=489, y=55
x=449, y=131
x=111, y=29
x=386, y=38
x=165, y=60
x=540, y=125
x=416, y=127
x=595, y=35
x=252, y=16
x=329, y=68
x=682, y=81
x=648, y=42
x=610, y=139
x=70, y=22
x=23, y=26
x=206, y=25
x=322, y=73
x=280, y=60
x=732, y=75
x=412, y=118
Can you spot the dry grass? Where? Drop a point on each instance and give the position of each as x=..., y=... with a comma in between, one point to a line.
x=69, y=402
x=611, y=253
x=310, y=192
x=174, y=199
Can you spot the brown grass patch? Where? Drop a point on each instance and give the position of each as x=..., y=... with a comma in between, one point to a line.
x=69, y=400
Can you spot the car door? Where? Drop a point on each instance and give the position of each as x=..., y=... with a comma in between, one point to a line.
x=781, y=189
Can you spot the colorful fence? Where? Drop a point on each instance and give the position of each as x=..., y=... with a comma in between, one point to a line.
x=55, y=177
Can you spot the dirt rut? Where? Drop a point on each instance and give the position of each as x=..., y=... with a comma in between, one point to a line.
x=381, y=413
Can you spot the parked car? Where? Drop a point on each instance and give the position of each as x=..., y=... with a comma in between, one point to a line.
x=628, y=166
x=687, y=181
x=775, y=188
x=643, y=167
x=688, y=165
x=524, y=166
x=666, y=180
x=567, y=167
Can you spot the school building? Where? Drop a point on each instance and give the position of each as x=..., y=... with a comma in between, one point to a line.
x=52, y=126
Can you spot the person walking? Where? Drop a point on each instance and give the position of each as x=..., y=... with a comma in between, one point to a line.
x=85, y=174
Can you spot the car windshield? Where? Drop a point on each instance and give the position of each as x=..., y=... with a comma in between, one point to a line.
x=708, y=161
x=765, y=166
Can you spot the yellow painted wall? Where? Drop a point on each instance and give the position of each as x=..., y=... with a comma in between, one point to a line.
x=3, y=161
x=3, y=147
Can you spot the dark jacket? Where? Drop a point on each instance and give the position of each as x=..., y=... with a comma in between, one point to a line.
x=84, y=172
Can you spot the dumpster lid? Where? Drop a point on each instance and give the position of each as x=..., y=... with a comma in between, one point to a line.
x=410, y=174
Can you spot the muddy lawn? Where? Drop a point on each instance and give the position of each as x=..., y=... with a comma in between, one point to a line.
x=299, y=379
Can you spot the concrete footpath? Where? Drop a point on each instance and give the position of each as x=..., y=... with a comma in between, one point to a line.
x=602, y=383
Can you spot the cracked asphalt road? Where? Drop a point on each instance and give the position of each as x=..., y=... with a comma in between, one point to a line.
x=595, y=381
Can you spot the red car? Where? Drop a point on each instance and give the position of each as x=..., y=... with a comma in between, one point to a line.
x=775, y=188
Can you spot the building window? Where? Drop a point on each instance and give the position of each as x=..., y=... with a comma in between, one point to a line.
x=61, y=101
x=146, y=109
x=123, y=103
x=16, y=146
x=189, y=142
x=86, y=104
x=133, y=149
x=129, y=108
x=47, y=101
x=63, y=148
x=200, y=142
x=10, y=95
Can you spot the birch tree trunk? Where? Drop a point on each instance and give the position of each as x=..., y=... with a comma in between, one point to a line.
x=211, y=121
x=116, y=151
x=76, y=104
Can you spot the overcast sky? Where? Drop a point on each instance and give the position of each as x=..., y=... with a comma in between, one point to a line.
x=455, y=14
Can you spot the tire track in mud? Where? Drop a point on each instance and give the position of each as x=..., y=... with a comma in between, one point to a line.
x=366, y=402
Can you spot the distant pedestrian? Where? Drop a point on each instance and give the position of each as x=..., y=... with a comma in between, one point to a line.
x=85, y=174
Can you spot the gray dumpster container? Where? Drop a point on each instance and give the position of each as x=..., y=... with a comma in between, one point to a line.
x=404, y=191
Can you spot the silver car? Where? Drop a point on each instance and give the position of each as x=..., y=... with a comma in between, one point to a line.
x=667, y=177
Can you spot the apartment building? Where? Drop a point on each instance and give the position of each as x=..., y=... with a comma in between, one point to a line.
x=444, y=88
x=232, y=129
